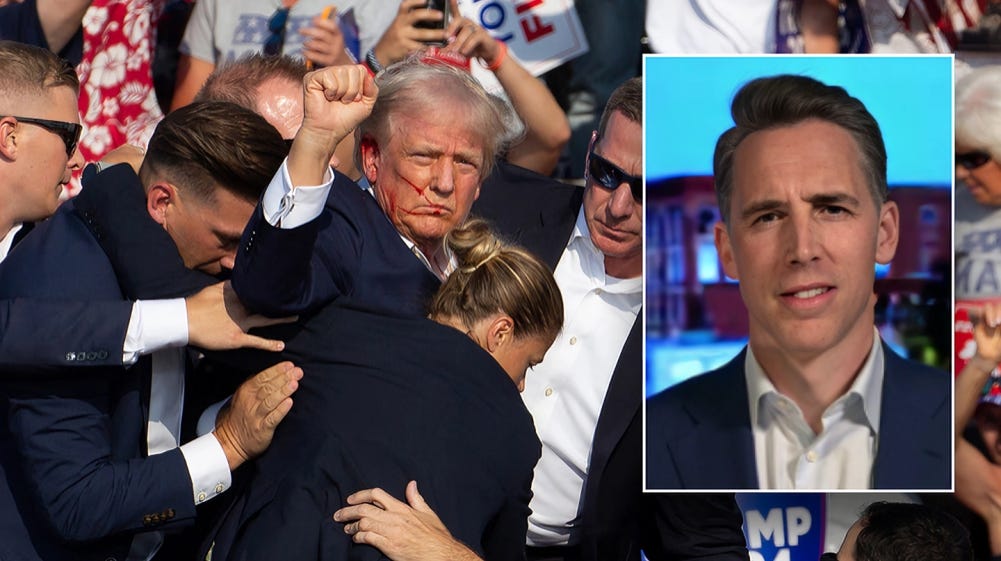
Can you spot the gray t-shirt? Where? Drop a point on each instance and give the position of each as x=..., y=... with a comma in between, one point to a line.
x=978, y=248
x=221, y=31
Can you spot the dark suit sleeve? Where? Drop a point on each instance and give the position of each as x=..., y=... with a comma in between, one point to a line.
x=51, y=333
x=693, y=526
x=63, y=435
x=281, y=272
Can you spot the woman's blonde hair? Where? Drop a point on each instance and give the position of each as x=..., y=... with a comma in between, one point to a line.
x=494, y=276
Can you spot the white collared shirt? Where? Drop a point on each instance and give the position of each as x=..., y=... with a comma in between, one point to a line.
x=7, y=242
x=565, y=392
x=789, y=455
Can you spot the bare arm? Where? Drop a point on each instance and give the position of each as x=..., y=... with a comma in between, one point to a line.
x=987, y=334
x=191, y=75
x=60, y=20
x=818, y=22
x=547, y=130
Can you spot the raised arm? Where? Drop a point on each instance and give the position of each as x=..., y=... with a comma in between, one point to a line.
x=281, y=268
x=60, y=20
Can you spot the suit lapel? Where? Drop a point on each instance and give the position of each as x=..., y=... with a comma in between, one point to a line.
x=904, y=458
x=719, y=450
x=621, y=404
x=25, y=228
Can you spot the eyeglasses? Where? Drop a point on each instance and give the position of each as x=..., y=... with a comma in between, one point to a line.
x=610, y=176
x=972, y=160
x=69, y=132
x=276, y=25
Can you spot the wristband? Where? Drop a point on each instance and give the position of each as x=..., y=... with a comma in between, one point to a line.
x=499, y=59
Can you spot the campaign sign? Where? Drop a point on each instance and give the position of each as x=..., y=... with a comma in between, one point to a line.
x=540, y=34
x=783, y=526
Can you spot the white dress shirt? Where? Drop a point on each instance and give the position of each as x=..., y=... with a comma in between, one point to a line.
x=565, y=392
x=207, y=465
x=789, y=455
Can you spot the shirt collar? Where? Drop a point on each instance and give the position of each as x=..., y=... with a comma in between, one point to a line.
x=868, y=384
x=593, y=260
x=7, y=242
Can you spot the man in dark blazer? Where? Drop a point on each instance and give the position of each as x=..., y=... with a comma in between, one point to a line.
x=610, y=518
x=816, y=400
x=90, y=456
x=613, y=519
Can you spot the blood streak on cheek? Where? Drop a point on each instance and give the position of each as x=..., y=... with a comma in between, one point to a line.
x=420, y=193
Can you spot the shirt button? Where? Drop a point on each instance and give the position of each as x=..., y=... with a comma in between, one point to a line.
x=811, y=456
x=219, y=488
x=549, y=392
x=202, y=496
x=573, y=340
x=597, y=291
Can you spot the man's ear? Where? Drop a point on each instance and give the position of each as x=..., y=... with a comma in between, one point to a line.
x=370, y=158
x=160, y=197
x=8, y=139
x=889, y=232
x=499, y=332
x=725, y=250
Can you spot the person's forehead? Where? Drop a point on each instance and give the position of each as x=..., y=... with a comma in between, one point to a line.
x=812, y=147
x=56, y=102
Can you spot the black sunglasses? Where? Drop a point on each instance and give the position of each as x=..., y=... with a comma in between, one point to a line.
x=972, y=160
x=276, y=25
x=69, y=132
x=610, y=176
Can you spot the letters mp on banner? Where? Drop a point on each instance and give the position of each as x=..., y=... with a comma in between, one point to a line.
x=540, y=34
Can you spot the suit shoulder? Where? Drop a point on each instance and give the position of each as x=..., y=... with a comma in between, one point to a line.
x=59, y=248
x=701, y=388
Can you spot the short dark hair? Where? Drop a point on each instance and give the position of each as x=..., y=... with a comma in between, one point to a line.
x=27, y=71
x=910, y=532
x=239, y=81
x=784, y=100
x=210, y=143
x=626, y=99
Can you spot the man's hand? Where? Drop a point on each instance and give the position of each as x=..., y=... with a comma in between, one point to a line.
x=337, y=99
x=403, y=37
x=400, y=531
x=324, y=43
x=247, y=424
x=217, y=321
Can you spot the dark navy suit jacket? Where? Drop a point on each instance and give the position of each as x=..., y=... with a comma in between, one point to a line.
x=352, y=253
x=73, y=444
x=699, y=432
x=616, y=519
x=385, y=400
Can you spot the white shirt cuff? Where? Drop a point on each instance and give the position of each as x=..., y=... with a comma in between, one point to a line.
x=207, y=467
x=155, y=325
x=206, y=422
x=289, y=208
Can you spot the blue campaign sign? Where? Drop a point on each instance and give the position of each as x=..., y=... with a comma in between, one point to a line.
x=783, y=526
